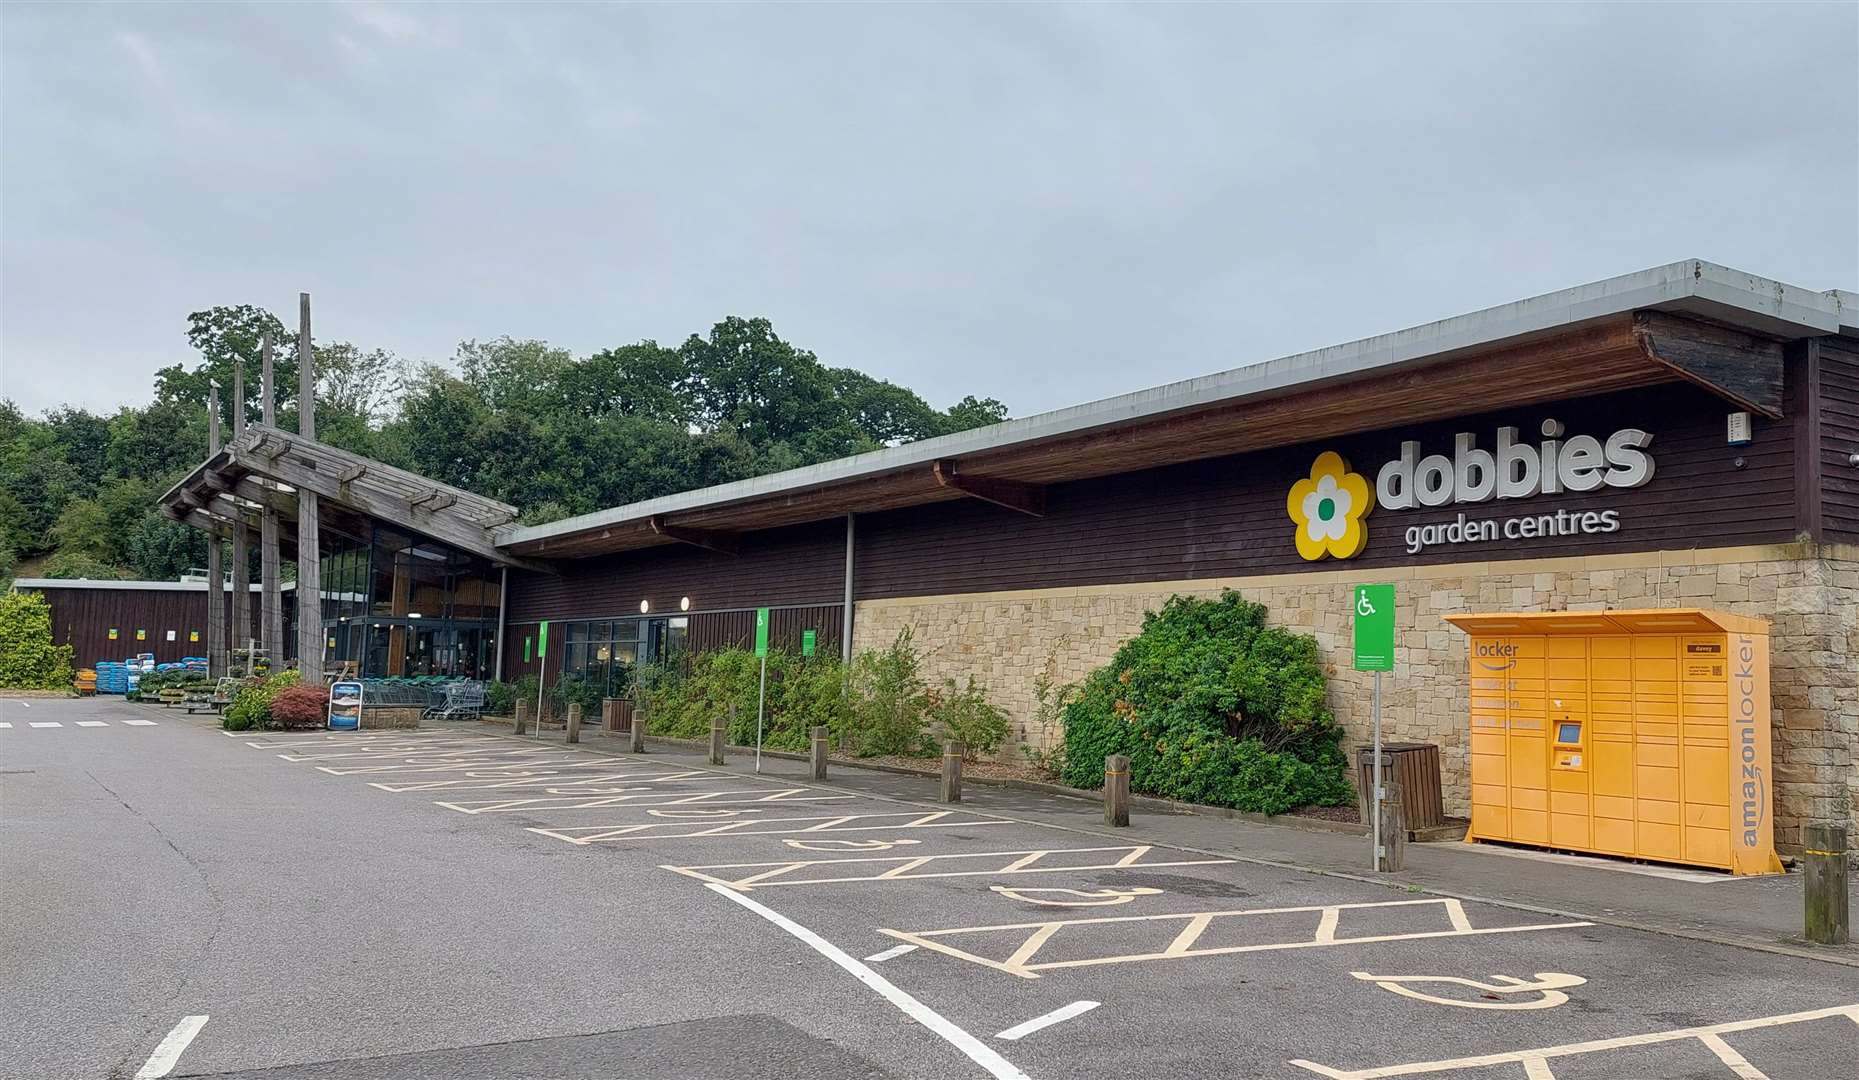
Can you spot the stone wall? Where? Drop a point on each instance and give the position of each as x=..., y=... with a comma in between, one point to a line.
x=1810, y=595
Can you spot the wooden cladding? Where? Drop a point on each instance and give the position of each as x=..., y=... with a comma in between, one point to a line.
x=1227, y=516
x=1839, y=438
x=82, y=619
x=786, y=627
x=804, y=565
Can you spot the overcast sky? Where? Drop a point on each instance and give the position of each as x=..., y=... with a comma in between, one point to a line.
x=1042, y=203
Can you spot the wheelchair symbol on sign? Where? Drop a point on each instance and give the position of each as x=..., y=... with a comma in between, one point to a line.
x=1548, y=984
x=1363, y=605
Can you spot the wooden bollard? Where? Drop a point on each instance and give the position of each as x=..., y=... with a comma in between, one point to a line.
x=522, y=717
x=719, y=729
x=636, y=740
x=822, y=740
x=574, y=722
x=1827, y=916
x=953, y=751
x=1393, y=829
x=610, y=713
x=1117, y=791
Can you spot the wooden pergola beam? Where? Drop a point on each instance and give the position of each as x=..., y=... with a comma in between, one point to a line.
x=305, y=477
x=1014, y=495
x=729, y=543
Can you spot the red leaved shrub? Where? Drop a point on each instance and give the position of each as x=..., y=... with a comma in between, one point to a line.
x=300, y=707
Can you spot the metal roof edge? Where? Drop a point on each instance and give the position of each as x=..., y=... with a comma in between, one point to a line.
x=1723, y=293
x=144, y=586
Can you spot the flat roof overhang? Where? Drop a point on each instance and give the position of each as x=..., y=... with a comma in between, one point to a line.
x=265, y=467
x=1690, y=321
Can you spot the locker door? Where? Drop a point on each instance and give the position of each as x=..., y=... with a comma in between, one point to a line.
x=1490, y=669
x=1704, y=741
x=1527, y=742
x=1655, y=746
x=1571, y=814
x=1610, y=742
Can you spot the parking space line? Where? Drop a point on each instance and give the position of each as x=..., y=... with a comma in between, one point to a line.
x=140, y=723
x=1725, y=1053
x=640, y=800
x=659, y=830
x=977, y=1051
x=759, y=880
x=1056, y=1016
x=6, y=723
x=1020, y=961
x=554, y=775
x=92, y=723
x=45, y=723
x=1536, y=1061
x=169, y=1051
x=891, y=953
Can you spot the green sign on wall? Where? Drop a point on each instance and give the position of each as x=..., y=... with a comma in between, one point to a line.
x=542, y=640
x=761, y=631
x=1374, y=627
x=808, y=641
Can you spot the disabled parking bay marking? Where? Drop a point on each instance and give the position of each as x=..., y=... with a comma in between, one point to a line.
x=1536, y=1066
x=763, y=875
x=730, y=796
x=1194, y=924
x=1547, y=986
x=658, y=830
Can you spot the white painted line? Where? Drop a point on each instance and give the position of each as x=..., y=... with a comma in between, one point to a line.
x=140, y=723
x=46, y=723
x=891, y=953
x=6, y=723
x=92, y=723
x=25, y=704
x=979, y=1052
x=169, y=1052
x=1056, y=1016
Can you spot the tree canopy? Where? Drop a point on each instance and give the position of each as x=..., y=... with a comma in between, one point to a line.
x=514, y=419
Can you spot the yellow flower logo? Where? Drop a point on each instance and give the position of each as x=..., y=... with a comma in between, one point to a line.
x=1329, y=508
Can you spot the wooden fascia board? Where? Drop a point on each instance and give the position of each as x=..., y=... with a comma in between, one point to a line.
x=1026, y=498
x=728, y=543
x=1742, y=368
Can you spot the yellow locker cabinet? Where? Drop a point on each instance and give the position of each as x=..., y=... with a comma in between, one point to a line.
x=1635, y=733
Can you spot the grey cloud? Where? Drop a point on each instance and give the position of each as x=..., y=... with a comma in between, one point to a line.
x=1042, y=203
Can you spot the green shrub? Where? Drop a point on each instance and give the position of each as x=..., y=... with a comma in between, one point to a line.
x=964, y=713
x=802, y=692
x=28, y=659
x=890, y=701
x=251, y=703
x=499, y=698
x=576, y=689
x=1212, y=706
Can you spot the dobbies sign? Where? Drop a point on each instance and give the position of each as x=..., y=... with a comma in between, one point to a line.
x=1329, y=506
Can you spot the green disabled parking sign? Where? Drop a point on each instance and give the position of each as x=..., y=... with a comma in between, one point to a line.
x=1374, y=627
x=761, y=632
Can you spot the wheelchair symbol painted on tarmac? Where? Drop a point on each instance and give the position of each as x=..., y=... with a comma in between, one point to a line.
x=1548, y=984
x=847, y=845
x=1073, y=897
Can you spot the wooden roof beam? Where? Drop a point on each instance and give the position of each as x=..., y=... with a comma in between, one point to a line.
x=1012, y=494
x=729, y=543
x=446, y=528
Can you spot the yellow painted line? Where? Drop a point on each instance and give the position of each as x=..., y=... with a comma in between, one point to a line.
x=641, y=800
x=700, y=872
x=665, y=830
x=1543, y=1055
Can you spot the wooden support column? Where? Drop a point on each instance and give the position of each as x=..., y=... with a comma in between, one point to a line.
x=216, y=574
x=271, y=607
x=309, y=565
x=240, y=635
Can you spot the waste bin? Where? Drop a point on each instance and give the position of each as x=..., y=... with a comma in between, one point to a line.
x=1414, y=766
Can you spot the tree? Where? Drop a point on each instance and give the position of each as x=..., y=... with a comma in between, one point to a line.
x=745, y=379
x=972, y=412
x=73, y=565
x=83, y=529
x=223, y=335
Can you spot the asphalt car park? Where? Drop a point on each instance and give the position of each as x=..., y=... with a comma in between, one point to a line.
x=1053, y=951
x=451, y=903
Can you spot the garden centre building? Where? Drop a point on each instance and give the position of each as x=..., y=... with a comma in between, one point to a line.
x=1687, y=436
